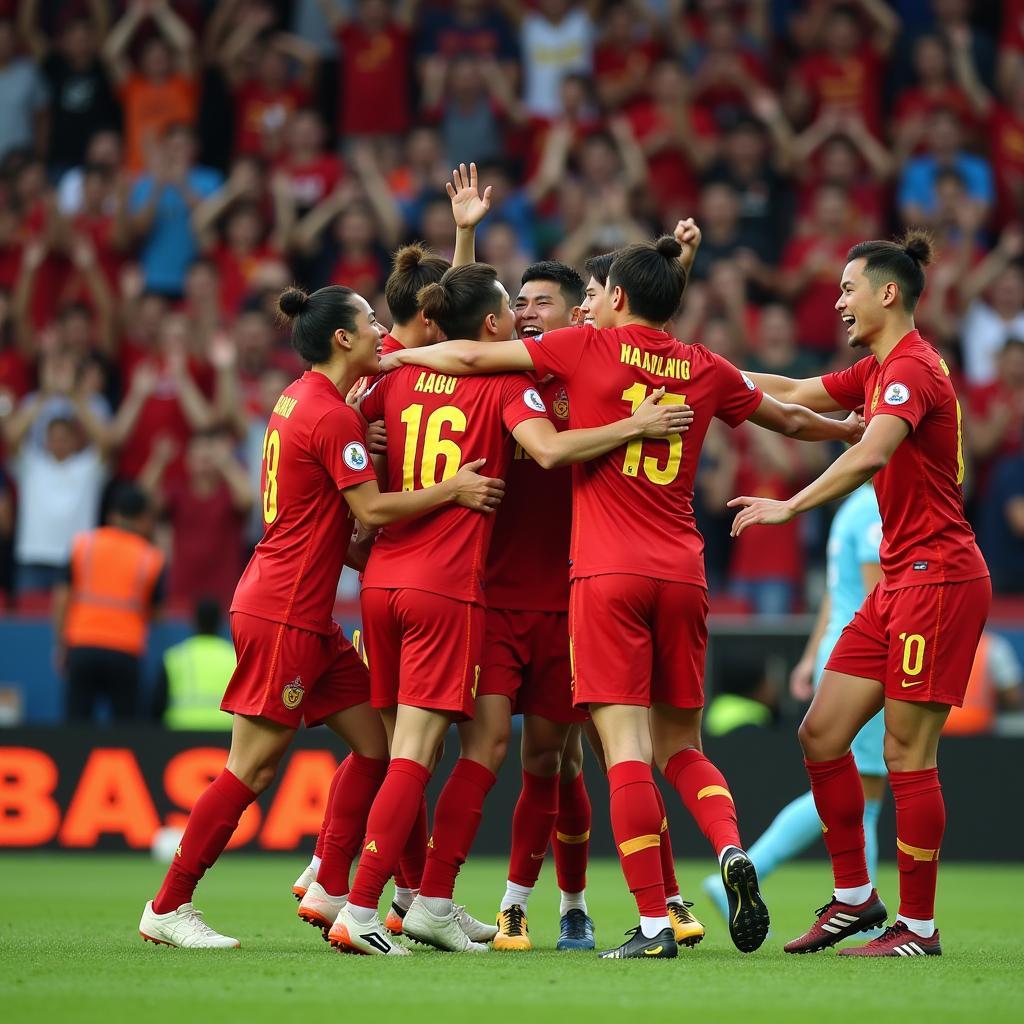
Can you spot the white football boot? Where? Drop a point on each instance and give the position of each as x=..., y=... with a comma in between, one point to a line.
x=303, y=882
x=184, y=928
x=320, y=909
x=476, y=931
x=444, y=933
x=370, y=938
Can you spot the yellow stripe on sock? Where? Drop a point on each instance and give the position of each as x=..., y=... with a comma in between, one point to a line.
x=916, y=852
x=638, y=844
x=714, y=791
x=572, y=840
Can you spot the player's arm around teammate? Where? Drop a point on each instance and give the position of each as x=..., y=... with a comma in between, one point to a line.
x=900, y=651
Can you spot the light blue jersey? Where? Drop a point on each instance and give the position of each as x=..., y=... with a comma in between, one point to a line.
x=853, y=541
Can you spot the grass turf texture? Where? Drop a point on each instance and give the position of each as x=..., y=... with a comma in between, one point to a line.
x=70, y=950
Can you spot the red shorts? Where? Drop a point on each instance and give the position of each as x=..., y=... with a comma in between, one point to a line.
x=526, y=658
x=919, y=642
x=424, y=649
x=291, y=675
x=637, y=640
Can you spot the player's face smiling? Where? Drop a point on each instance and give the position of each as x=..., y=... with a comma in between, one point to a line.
x=594, y=302
x=540, y=307
x=366, y=339
x=859, y=305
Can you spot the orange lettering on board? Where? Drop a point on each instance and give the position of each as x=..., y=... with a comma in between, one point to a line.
x=111, y=798
x=186, y=777
x=29, y=816
x=300, y=801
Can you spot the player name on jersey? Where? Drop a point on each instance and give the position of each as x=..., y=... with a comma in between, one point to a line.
x=653, y=363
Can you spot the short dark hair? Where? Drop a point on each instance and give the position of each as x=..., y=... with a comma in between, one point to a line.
x=460, y=302
x=569, y=282
x=316, y=317
x=414, y=267
x=598, y=266
x=651, y=276
x=902, y=261
x=129, y=502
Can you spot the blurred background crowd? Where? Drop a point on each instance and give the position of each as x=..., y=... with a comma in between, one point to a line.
x=167, y=167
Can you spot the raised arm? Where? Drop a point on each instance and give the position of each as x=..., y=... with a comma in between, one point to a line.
x=854, y=467
x=28, y=28
x=809, y=393
x=469, y=207
x=801, y=423
x=464, y=358
x=886, y=23
x=550, y=448
x=379, y=196
x=115, y=48
x=178, y=35
x=32, y=258
x=374, y=508
x=84, y=257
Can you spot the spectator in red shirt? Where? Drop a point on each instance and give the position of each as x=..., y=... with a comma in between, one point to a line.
x=811, y=265
x=215, y=492
x=625, y=55
x=676, y=138
x=997, y=415
x=258, y=63
x=375, y=62
x=313, y=172
x=845, y=70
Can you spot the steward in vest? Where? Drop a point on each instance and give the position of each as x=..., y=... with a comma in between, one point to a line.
x=195, y=674
x=102, y=612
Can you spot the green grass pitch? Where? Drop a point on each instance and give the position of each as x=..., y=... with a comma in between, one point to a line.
x=70, y=951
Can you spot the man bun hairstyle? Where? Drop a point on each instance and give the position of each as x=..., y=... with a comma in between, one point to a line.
x=460, y=302
x=902, y=261
x=413, y=268
x=651, y=276
x=569, y=282
x=598, y=266
x=315, y=318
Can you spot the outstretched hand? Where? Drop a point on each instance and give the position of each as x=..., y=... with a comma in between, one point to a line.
x=469, y=207
x=755, y=511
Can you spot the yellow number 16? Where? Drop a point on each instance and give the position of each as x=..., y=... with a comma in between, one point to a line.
x=654, y=472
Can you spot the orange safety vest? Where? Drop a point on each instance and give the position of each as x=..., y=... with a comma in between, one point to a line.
x=113, y=575
x=979, y=710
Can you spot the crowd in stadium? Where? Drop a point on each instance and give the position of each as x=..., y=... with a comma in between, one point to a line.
x=167, y=167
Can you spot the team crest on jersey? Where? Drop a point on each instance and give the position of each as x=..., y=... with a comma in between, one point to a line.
x=533, y=400
x=292, y=694
x=355, y=456
x=561, y=404
x=897, y=394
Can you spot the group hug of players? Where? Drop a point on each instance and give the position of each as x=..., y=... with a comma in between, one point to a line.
x=576, y=597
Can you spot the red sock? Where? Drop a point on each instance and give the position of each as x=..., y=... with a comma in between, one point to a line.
x=532, y=824
x=572, y=835
x=414, y=856
x=318, y=850
x=636, y=825
x=211, y=824
x=457, y=816
x=920, y=823
x=387, y=829
x=354, y=786
x=705, y=792
x=839, y=799
x=668, y=864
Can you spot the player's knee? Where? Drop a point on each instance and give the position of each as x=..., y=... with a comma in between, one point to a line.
x=260, y=778
x=900, y=756
x=543, y=762
x=813, y=737
x=571, y=764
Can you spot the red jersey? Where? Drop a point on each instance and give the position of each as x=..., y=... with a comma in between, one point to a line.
x=435, y=423
x=315, y=179
x=389, y=343
x=374, y=80
x=528, y=564
x=925, y=537
x=261, y=113
x=633, y=507
x=315, y=446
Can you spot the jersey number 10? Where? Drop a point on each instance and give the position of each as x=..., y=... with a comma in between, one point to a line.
x=652, y=469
